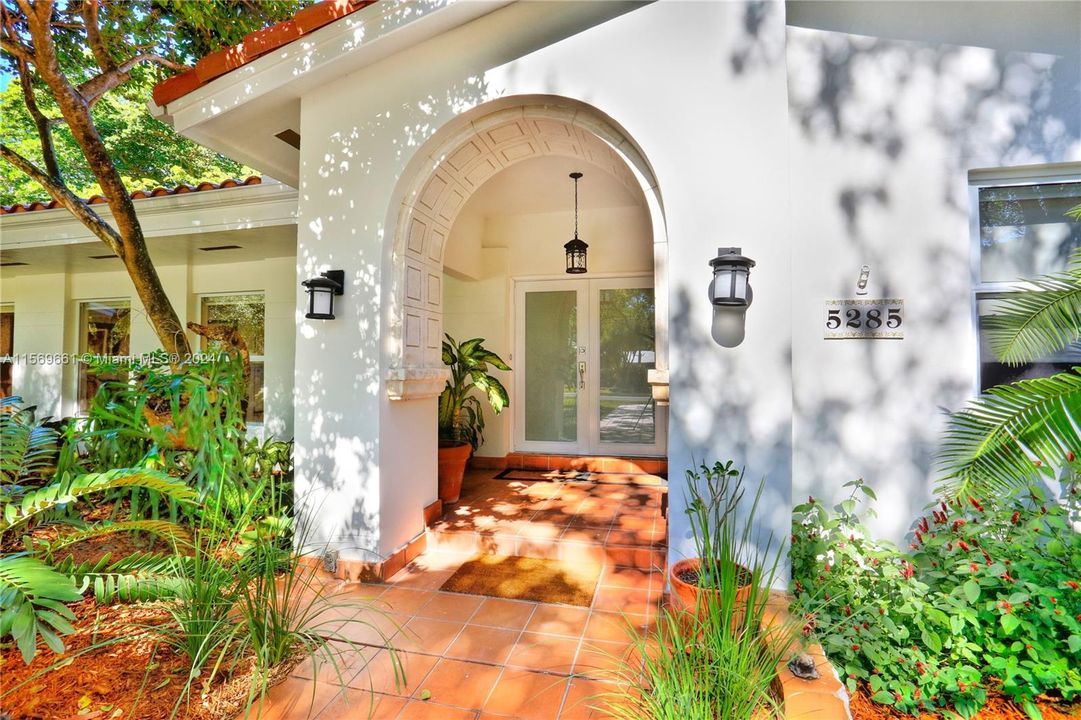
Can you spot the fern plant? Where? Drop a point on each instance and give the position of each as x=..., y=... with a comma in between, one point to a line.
x=32, y=591
x=28, y=449
x=1027, y=430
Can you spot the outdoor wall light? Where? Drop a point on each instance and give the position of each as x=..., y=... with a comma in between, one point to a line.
x=730, y=293
x=321, y=291
x=576, y=249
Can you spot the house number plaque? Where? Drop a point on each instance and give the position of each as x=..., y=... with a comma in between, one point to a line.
x=865, y=319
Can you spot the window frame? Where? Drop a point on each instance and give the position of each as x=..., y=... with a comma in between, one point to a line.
x=82, y=344
x=9, y=309
x=1001, y=177
x=252, y=358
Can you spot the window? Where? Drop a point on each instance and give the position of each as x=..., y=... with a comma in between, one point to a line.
x=7, y=349
x=1021, y=231
x=246, y=314
x=105, y=331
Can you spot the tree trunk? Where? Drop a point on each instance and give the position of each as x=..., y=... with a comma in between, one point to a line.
x=128, y=242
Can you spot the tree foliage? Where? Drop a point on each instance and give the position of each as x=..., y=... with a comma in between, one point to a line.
x=76, y=53
x=147, y=153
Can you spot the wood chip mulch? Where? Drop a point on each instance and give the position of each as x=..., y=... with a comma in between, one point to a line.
x=134, y=678
x=998, y=707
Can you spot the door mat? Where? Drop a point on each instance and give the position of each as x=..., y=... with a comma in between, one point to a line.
x=525, y=578
x=582, y=476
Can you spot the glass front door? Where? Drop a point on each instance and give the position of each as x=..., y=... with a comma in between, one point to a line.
x=584, y=349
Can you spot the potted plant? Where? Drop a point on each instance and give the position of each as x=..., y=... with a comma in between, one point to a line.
x=714, y=495
x=461, y=413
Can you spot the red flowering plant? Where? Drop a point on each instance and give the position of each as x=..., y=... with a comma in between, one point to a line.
x=986, y=596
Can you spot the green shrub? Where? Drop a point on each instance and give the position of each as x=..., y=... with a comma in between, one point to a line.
x=985, y=596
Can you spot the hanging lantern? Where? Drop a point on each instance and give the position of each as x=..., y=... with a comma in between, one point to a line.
x=321, y=291
x=576, y=249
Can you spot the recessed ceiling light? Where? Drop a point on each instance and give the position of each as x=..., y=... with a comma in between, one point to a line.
x=215, y=248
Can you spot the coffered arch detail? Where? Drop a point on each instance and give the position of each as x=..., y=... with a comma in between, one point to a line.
x=489, y=140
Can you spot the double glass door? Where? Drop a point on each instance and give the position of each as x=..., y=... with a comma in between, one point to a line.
x=583, y=349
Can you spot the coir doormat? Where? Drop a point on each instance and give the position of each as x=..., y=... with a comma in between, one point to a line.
x=525, y=578
x=582, y=476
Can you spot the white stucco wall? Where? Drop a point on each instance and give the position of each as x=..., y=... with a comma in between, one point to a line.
x=882, y=135
x=815, y=157
x=713, y=130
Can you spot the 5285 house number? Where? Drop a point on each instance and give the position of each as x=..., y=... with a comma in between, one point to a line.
x=859, y=318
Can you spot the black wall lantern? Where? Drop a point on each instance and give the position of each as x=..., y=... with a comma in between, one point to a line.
x=321, y=292
x=730, y=293
x=576, y=248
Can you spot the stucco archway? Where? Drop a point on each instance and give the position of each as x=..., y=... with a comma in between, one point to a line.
x=452, y=165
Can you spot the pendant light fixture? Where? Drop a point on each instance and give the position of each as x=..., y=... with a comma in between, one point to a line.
x=576, y=248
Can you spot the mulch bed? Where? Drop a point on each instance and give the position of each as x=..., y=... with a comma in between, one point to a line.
x=134, y=678
x=998, y=707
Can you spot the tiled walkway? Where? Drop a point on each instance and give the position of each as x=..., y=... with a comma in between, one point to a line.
x=476, y=657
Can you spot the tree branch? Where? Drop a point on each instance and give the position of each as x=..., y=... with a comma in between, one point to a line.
x=67, y=199
x=95, y=87
x=16, y=49
x=93, y=36
x=43, y=124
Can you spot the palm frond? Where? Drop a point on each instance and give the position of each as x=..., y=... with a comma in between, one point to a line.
x=1040, y=321
x=31, y=604
x=69, y=489
x=139, y=577
x=1012, y=435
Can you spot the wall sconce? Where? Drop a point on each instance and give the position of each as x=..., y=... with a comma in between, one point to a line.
x=321, y=291
x=730, y=293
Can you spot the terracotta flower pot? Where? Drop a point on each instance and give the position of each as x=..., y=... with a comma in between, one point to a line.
x=688, y=594
x=452, y=460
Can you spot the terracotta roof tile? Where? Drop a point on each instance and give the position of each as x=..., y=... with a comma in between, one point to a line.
x=254, y=45
x=137, y=195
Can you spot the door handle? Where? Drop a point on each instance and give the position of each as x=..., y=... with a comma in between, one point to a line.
x=581, y=375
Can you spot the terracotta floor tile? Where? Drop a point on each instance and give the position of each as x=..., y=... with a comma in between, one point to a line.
x=550, y=653
x=382, y=676
x=527, y=695
x=337, y=665
x=455, y=607
x=597, y=659
x=371, y=627
x=586, y=700
x=612, y=627
x=427, y=710
x=627, y=577
x=623, y=600
x=558, y=620
x=460, y=683
x=585, y=534
x=362, y=705
x=426, y=635
x=497, y=612
x=293, y=698
x=483, y=644
x=405, y=601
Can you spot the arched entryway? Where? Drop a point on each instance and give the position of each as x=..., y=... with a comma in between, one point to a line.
x=453, y=165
